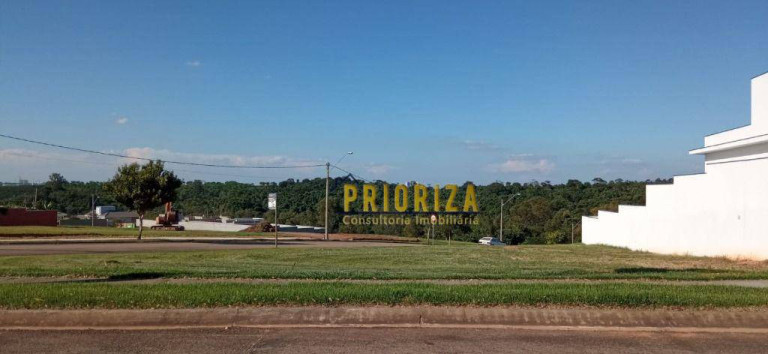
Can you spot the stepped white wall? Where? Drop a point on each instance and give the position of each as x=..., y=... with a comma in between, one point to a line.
x=723, y=212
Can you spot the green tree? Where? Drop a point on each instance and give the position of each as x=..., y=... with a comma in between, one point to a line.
x=56, y=181
x=142, y=188
x=529, y=220
x=303, y=202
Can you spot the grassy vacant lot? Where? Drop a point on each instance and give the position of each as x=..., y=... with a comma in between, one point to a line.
x=13, y=232
x=87, y=231
x=36, y=296
x=459, y=261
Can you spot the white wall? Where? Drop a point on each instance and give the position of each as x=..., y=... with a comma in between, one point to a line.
x=203, y=225
x=723, y=212
x=230, y=227
x=758, y=118
x=760, y=102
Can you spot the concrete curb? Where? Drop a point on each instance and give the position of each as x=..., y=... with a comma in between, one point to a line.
x=381, y=316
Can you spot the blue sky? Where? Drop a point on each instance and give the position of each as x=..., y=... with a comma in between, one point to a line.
x=433, y=91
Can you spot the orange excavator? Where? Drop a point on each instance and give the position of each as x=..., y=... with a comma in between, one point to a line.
x=169, y=220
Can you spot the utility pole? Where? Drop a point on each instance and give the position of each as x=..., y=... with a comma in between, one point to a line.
x=573, y=231
x=276, y=223
x=434, y=238
x=328, y=188
x=272, y=205
x=327, y=191
x=501, y=215
x=93, y=210
x=501, y=220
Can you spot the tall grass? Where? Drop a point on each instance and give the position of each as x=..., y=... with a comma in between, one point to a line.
x=419, y=262
x=90, y=295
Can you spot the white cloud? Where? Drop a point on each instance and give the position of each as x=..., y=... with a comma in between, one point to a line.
x=479, y=145
x=37, y=165
x=630, y=168
x=217, y=159
x=379, y=169
x=121, y=120
x=523, y=164
x=632, y=161
x=16, y=155
x=194, y=63
x=25, y=156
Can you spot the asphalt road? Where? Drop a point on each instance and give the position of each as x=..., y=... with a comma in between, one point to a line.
x=375, y=340
x=118, y=247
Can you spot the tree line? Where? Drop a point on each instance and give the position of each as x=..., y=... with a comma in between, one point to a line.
x=542, y=213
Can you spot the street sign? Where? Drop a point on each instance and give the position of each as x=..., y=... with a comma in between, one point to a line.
x=434, y=219
x=272, y=201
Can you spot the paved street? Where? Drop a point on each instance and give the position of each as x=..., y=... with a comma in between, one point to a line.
x=154, y=246
x=376, y=340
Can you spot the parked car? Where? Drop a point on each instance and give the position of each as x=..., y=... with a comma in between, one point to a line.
x=490, y=241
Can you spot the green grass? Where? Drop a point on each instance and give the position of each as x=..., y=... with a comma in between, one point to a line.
x=460, y=261
x=90, y=295
x=88, y=231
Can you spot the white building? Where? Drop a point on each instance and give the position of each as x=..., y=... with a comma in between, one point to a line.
x=103, y=210
x=721, y=212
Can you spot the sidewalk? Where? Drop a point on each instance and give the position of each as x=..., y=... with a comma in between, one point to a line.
x=736, y=321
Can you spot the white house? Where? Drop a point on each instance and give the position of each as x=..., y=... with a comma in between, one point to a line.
x=103, y=210
x=721, y=212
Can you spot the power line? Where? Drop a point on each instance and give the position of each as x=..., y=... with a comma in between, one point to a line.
x=349, y=173
x=13, y=153
x=263, y=178
x=148, y=159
